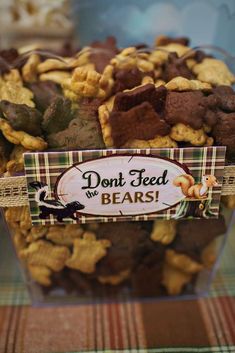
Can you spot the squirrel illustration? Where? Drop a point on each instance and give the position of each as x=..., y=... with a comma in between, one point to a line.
x=197, y=191
x=54, y=207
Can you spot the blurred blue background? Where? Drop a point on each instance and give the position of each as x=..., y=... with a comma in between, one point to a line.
x=136, y=21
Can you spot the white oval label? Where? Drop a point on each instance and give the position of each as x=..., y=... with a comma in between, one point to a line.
x=121, y=185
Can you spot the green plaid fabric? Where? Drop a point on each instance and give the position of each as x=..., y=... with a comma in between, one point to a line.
x=47, y=166
x=12, y=287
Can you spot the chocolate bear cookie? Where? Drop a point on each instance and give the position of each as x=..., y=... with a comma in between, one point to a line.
x=80, y=134
x=224, y=132
x=186, y=108
x=44, y=93
x=22, y=117
x=195, y=234
x=130, y=245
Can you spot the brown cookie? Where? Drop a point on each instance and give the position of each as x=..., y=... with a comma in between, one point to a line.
x=200, y=55
x=222, y=98
x=103, y=52
x=21, y=117
x=165, y=40
x=128, y=244
x=44, y=93
x=7, y=59
x=146, y=277
x=80, y=282
x=71, y=281
x=147, y=280
x=226, y=98
x=185, y=107
x=128, y=78
x=176, y=66
x=80, y=134
x=224, y=131
x=210, y=117
x=223, y=90
x=194, y=234
x=124, y=101
x=5, y=150
x=58, y=115
x=140, y=122
x=88, y=108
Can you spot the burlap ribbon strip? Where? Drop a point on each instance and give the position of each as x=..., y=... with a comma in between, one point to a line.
x=13, y=190
x=229, y=180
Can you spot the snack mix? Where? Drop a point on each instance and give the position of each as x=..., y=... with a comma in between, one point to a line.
x=106, y=97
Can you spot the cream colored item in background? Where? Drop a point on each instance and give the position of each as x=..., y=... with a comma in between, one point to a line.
x=52, y=13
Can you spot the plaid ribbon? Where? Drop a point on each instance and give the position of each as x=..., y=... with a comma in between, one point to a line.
x=47, y=166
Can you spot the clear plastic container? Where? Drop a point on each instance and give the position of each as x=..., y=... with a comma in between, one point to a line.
x=135, y=266
x=162, y=259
